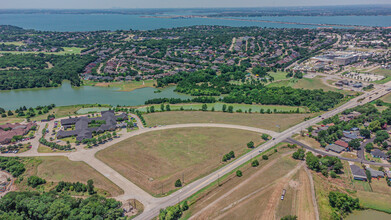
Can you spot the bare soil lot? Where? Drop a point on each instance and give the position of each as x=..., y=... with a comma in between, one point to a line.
x=155, y=160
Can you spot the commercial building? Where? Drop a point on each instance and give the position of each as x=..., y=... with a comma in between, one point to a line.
x=84, y=131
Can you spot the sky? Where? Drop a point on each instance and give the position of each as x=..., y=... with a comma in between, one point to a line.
x=108, y=4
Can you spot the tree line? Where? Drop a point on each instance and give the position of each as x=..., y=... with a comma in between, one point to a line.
x=208, y=83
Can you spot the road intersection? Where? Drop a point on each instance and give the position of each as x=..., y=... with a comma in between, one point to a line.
x=152, y=205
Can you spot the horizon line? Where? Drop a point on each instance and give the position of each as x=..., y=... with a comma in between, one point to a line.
x=119, y=8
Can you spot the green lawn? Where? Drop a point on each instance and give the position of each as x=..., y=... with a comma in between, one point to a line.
x=383, y=72
x=67, y=50
x=91, y=110
x=288, y=82
x=125, y=86
x=279, y=75
x=218, y=107
x=16, y=43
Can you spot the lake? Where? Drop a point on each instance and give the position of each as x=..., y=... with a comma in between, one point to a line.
x=92, y=22
x=68, y=95
x=368, y=214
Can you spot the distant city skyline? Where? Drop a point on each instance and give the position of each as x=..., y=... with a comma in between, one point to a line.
x=110, y=4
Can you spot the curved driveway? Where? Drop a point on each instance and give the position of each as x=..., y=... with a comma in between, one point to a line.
x=131, y=191
x=153, y=205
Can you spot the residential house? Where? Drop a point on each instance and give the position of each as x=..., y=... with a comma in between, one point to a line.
x=335, y=148
x=379, y=154
x=376, y=173
x=358, y=173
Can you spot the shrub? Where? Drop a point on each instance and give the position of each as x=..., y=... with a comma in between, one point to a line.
x=265, y=157
x=239, y=173
x=255, y=163
x=178, y=183
x=35, y=181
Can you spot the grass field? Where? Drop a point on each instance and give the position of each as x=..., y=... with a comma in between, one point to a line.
x=55, y=169
x=288, y=82
x=16, y=43
x=279, y=75
x=247, y=197
x=91, y=110
x=159, y=158
x=375, y=195
x=266, y=121
x=383, y=72
x=307, y=83
x=386, y=98
x=45, y=149
x=127, y=86
x=67, y=50
x=218, y=107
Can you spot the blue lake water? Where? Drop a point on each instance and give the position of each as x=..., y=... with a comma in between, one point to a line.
x=380, y=21
x=67, y=95
x=91, y=22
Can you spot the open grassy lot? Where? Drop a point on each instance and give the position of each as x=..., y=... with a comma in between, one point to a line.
x=279, y=75
x=375, y=195
x=251, y=196
x=157, y=159
x=386, y=98
x=219, y=106
x=288, y=82
x=10, y=119
x=67, y=50
x=266, y=121
x=383, y=72
x=55, y=169
x=309, y=83
x=127, y=86
x=91, y=110
x=16, y=43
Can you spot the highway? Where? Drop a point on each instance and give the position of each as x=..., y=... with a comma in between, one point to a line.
x=193, y=187
x=152, y=205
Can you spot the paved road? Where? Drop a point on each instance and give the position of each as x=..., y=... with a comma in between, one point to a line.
x=153, y=205
x=131, y=191
x=201, y=183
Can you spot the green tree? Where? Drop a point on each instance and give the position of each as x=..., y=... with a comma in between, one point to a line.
x=265, y=137
x=204, y=107
x=369, y=176
x=250, y=144
x=230, y=109
x=35, y=181
x=289, y=217
x=365, y=133
x=224, y=108
x=90, y=187
x=10, y=113
x=178, y=183
x=355, y=144
x=374, y=126
x=239, y=173
x=369, y=147
x=255, y=163
x=162, y=107
x=168, y=108
x=265, y=157
x=299, y=154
